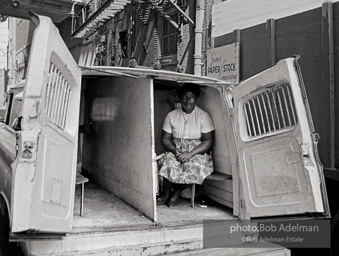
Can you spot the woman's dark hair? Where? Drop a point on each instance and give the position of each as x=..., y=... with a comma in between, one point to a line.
x=193, y=88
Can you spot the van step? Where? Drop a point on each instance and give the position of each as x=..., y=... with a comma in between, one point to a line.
x=219, y=176
x=246, y=250
x=157, y=240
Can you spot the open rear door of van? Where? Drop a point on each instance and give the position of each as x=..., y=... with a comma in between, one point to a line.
x=45, y=168
x=277, y=155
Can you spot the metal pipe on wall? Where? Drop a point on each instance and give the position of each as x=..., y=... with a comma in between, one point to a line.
x=200, y=10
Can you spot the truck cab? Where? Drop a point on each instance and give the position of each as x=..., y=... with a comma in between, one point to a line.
x=265, y=149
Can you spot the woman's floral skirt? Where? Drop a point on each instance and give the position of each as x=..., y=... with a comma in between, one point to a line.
x=194, y=171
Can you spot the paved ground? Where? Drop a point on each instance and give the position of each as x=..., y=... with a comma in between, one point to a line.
x=6, y=248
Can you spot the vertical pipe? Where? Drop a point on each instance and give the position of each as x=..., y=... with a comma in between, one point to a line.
x=270, y=26
x=332, y=92
x=328, y=82
x=200, y=10
x=133, y=30
x=13, y=45
x=109, y=43
x=236, y=41
x=130, y=34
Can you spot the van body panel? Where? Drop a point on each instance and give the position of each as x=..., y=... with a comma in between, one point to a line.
x=44, y=170
x=279, y=172
x=212, y=100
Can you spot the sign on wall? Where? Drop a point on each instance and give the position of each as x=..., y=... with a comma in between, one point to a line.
x=223, y=63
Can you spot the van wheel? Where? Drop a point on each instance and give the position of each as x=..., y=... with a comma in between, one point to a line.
x=335, y=235
x=7, y=248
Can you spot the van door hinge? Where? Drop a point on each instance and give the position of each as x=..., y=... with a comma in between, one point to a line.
x=16, y=149
x=17, y=145
x=242, y=203
x=305, y=149
x=316, y=137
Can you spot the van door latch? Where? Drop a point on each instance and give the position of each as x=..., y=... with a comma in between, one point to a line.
x=27, y=153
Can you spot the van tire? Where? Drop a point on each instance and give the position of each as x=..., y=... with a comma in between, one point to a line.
x=7, y=248
x=335, y=235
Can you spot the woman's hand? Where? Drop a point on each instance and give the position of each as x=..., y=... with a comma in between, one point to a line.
x=184, y=157
x=167, y=143
x=178, y=152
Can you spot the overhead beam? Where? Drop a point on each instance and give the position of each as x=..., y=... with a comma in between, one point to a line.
x=182, y=12
x=56, y=10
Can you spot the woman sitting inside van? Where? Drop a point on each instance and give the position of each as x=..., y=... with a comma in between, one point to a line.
x=187, y=136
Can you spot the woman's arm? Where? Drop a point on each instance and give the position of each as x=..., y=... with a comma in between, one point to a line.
x=166, y=142
x=203, y=147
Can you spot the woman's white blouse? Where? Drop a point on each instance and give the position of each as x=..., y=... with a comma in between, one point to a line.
x=188, y=126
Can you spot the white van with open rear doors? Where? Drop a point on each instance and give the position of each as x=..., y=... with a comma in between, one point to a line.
x=264, y=153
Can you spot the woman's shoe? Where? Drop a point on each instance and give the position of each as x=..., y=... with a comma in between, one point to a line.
x=174, y=200
x=162, y=200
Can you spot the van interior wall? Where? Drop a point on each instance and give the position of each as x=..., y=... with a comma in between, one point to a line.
x=220, y=191
x=210, y=101
x=164, y=102
x=118, y=153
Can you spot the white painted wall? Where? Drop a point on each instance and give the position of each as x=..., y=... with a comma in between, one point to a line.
x=3, y=58
x=3, y=44
x=239, y=14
